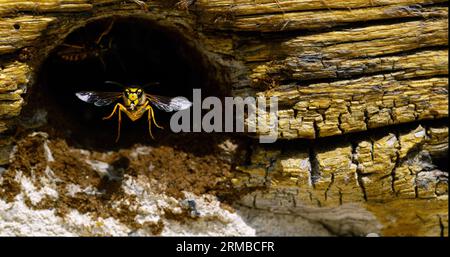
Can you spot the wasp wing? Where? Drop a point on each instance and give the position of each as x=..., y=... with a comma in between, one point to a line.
x=169, y=104
x=98, y=98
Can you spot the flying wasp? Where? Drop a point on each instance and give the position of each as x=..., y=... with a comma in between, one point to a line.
x=136, y=102
x=81, y=52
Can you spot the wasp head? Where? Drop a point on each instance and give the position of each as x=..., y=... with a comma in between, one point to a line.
x=134, y=96
x=133, y=93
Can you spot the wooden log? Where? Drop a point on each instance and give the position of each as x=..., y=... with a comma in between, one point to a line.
x=357, y=105
x=10, y=7
x=309, y=20
x=388, y=167
x=337, y=68
x=20, y=32
x=250, y=7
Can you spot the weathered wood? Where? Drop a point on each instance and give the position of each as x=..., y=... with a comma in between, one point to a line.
x=362, y=163
x=13, y=75
x=309, y=20
x=22, y=31
x=357, y=105
x=14, y=79
x=251, y=7
x=391, y=167
x=343, y=67
x=419, y=64
x=367, y=41
x=8, y=7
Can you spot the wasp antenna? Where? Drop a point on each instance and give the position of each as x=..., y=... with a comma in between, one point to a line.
x=150, y=84
x=115, y=83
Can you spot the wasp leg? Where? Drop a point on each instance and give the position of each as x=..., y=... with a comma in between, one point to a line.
x=114, y=112
x=118, y=108
x=154, y=120
x=149, y=109
x=120, y=123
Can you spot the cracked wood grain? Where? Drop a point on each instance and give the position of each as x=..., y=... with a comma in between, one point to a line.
x=251, y=7
x=371, y=168
x=402, y=67
x=320, y=19
x=343, y=67
x=357, y=105
x=387, y=167
x=362, y=42
x=22, y=31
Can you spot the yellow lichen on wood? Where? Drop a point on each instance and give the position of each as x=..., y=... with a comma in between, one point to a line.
x=437, y=143
x=379, y=171
x=420, y=64
x=10, y=109
x=43, y=6
x=364, y=169
x=367, y=41
x=22, y=31
x=12, y=75
x=331, y=81
x=322, y=19
x=251, y=7
x=357, y=105
x=412, y=217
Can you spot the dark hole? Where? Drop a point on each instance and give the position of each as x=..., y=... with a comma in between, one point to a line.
x=16, y=26
x=441, y=161
x=141, y=52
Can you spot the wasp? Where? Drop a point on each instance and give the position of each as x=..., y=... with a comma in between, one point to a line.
x=135, y=103
x=84, y=51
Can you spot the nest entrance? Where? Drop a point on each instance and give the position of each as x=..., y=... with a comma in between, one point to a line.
x=132, y=52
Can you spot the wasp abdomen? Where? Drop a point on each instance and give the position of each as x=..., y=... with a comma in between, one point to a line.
x=74, y=57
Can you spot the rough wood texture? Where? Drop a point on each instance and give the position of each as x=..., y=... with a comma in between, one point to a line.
x=337, y=67
x=392, y=167
x=345, y=172
x=357, y=105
